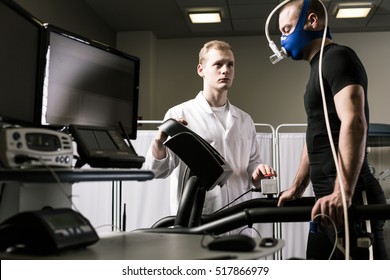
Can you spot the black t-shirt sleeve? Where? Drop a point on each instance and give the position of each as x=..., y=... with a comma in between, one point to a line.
x=342, y=67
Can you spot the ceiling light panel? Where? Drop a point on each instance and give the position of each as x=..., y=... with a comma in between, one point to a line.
x=353, y=10
x=205, y=17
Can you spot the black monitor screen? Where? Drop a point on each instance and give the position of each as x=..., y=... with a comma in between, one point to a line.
x=87, y=83
x=19, y=63
x=97, y=139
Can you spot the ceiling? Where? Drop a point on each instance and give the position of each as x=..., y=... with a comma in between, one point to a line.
x=168, y=18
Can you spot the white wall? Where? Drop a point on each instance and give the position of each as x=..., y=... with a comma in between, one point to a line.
x=143, y=45
x=270, y=93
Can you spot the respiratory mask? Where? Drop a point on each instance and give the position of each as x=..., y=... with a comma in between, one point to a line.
x=294, y=43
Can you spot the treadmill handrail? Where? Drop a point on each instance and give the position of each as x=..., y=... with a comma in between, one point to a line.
x=248, y=217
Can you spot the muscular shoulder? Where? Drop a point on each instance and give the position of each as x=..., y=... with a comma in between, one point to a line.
x=338, y=55
x=342, y=67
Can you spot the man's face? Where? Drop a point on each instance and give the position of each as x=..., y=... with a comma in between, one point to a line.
x=218, y=69
x=288, y=19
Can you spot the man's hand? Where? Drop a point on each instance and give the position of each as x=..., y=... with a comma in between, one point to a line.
x=263, y=171
x=331, y=206
x=286, y=195
x=158, y=149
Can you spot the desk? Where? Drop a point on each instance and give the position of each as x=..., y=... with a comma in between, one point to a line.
x=153, y=246
x=31, y=189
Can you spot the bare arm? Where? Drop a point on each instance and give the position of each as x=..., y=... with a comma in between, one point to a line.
x=159, y=151
x=300, y=182
x=350, y=109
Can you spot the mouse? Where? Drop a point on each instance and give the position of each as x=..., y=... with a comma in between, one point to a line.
x=238, y=243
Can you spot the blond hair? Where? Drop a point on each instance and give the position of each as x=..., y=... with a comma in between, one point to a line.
x=215, y=44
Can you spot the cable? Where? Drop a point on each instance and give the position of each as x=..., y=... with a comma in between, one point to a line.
x=109, y=225
x=335, y=157
x=60, y=185
x=230, y=203
x=252, y=228
x=24, y=158
x=278, y=54
x=335, y=245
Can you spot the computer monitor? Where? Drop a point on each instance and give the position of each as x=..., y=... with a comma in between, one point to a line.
x=88, y=83
x=20, y=64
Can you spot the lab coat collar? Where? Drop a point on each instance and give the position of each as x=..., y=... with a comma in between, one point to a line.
x=206, y=106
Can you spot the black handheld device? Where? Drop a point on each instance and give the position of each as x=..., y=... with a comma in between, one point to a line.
x=46, y=231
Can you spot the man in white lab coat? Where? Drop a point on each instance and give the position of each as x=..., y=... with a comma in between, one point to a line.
x=228, y=129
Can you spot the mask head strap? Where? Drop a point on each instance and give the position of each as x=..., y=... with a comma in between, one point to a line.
x=302, y=16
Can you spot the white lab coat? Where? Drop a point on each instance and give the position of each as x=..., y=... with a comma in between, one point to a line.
x=237, y=144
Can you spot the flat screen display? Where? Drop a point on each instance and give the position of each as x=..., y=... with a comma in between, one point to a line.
x=20, y=64
x=87, y=83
